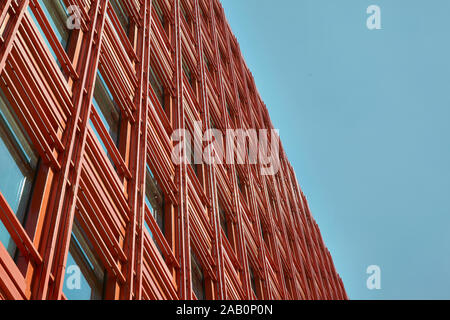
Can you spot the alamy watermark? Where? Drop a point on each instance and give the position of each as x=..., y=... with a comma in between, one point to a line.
x=374, y=280
x=374, y=20
x=238, y=146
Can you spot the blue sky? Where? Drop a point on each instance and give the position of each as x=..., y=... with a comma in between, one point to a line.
x=364, y=118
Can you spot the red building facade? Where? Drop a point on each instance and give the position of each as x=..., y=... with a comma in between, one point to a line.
x=92, y=206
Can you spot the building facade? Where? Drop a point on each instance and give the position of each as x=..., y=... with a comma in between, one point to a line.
x=92, y=203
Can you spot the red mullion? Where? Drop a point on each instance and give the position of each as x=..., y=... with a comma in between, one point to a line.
x=60, y=209
x=110, y=74
x=113, y=184
x=161, y=31
x=52, y=74
x=190, y=97
x=199, y=191
x=18, y=233
x=95, y=193
x=116, y=49
x=319, y=257
x=156, y=273
x=205, y=257
x=156, y=60
x=47, y=116
x=160, y=115
x=189, y=59
x=160, y=239
x=54, y=42
x=133, y=11
x=160, y=54
x=97, y=242
x=4, y=10
x=189, y=40
x=233, y=276
x=12, y=283
x=285, y=231
x=33, y=129
x=159, y=126
x=100, y=224
x=15, y=22
x=160, y=170
x=110, y=146
x=229, y=249
x=39, y=96
x=200, y=214
x=123, y=39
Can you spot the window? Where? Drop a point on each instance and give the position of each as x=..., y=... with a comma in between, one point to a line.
x=85, y=276
x=207, y=63
x=121, y=14
x=253, y=281
x=107, y=110
x=154, y=198
x=239, y=183
x=188, y=73
x=18, y=166
x=157, y=86
x=223, y=220
x=198, y=280
x=160, y=14
x=56, y=13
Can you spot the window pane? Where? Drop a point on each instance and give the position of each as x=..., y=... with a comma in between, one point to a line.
x=83, y=290
x=223, y=220
x=84, y=279
x=55, y=11
x=121, y=14
x=157, y=87
x=18, y=164
x=198, y=280
x=154, y=198
x=106, y=108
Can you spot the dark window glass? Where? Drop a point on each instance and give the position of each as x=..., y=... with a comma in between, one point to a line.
x=57, y=15
x=198, y=280
x=18, y=165
x=121, y=14
x=85, y=275
x=188, y=73
x=107, y=110
x=154, y=197
x=223, y=220
x=253, y=280
x=159, y=12
x=157, y=86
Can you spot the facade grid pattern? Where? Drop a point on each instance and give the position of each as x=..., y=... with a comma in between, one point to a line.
x=98, y=105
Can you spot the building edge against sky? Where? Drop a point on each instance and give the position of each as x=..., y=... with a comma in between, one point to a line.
x=92, y=205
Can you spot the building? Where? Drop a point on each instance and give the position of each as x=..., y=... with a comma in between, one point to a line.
x=93, y=205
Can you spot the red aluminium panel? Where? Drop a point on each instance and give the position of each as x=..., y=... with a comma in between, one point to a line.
x=207, y=231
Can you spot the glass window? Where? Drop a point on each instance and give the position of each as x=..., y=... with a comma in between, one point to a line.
x=18, y=165
x=57, y=15
x=188, y=73
x=85, y=276
x=253, y=280
x=223, y=220
x=159, y=12
x=157, y=86
x=154, y=197
x=121, y=14
x=107, y=110
x=198, y=280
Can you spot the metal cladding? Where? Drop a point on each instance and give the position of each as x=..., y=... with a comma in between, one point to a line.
x=224, y=231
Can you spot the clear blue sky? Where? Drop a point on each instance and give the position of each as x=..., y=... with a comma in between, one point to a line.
x=364, y=117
